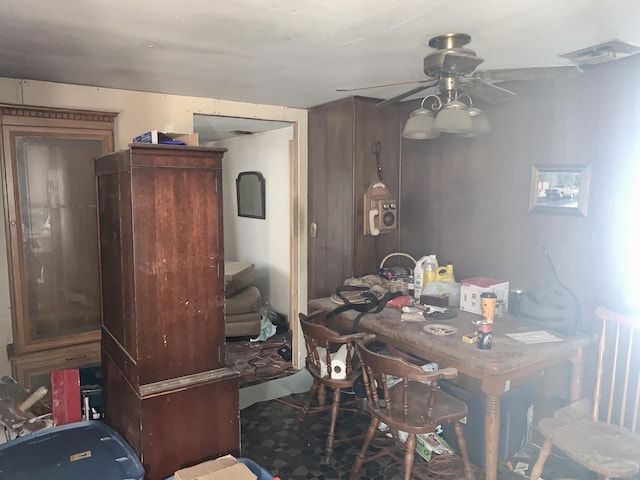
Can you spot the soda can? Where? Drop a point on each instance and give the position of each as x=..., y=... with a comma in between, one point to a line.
x=515, y=296
x=484, y=336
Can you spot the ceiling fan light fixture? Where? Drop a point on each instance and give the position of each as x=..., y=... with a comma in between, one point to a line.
x=454, y=118
x=419, y=126
x=479, y=120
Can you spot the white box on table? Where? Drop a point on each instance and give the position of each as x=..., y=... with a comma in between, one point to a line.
x=471, y=288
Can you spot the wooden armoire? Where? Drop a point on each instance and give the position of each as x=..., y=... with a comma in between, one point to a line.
x=166, y=387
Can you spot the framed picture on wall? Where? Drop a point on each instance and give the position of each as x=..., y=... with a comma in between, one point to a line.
x=559, y=189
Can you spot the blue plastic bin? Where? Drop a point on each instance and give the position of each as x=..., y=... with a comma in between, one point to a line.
x=256, y=469
x=82, y=450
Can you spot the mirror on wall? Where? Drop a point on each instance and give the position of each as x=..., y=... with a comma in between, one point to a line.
x=250, y=187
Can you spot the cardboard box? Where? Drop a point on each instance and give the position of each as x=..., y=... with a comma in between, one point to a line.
x=223, y=468
x=154, y=136
x=471, y=288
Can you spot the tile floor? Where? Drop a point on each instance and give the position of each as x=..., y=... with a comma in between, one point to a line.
x=273, y=437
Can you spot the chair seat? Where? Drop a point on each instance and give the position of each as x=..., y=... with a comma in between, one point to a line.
x=588, y=431
x=605, y=449
x=445, y=408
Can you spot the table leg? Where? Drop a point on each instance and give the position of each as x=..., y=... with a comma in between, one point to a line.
x=491, y=435
x=576, y=376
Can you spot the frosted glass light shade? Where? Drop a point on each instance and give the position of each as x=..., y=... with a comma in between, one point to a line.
x=479, y=121
x=454, y=118
x=419, y=126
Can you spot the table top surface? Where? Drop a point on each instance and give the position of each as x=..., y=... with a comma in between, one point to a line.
x=506, y=356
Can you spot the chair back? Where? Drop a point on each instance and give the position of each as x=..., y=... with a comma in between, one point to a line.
x=617, y=387
x=324, y=345
x=378, y=371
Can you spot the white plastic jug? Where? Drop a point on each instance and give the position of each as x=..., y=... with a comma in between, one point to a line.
x=418, y=276
x=424, y=272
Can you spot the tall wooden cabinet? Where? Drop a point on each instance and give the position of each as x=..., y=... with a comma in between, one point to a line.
x=52, y=237
x=342, y=165
x=166, y=387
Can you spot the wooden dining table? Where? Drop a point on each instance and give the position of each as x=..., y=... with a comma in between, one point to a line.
x=507, y=360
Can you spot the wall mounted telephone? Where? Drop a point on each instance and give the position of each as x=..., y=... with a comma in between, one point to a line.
x=380, y=210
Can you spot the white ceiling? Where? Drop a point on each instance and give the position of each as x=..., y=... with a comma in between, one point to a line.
x=211, y=128
x=287, y=52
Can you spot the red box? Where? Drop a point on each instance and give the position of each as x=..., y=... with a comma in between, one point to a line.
x=65, y=396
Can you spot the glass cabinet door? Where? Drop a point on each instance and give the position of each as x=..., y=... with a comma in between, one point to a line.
x=58, y=216
x=53, y=237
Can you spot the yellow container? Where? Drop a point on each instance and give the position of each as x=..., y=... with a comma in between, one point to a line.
x=430, y=276
x=445, y=274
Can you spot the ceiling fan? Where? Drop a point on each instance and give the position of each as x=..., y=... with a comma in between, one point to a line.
x=450, y=69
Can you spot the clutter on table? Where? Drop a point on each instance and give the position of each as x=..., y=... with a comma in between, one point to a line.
x=471, y=290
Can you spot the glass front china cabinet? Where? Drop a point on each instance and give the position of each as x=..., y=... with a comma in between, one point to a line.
x=52, y=235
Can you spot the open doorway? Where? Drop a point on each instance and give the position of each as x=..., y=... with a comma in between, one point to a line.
x=265, y=147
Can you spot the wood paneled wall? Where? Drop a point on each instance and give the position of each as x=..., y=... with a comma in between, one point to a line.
x=467, y=200
x=341, y=168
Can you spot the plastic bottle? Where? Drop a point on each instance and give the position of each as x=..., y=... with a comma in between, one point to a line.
x=418, y=276
x=432, y=269
x=423, y=273
x=445, y=273
x=429, y=273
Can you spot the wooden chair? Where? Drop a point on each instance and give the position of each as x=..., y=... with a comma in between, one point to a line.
x=414, y=405
x=321, y=342
x=601, y=433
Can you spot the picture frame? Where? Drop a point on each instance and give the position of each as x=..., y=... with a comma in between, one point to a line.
x=250, y=195
x=560, y=189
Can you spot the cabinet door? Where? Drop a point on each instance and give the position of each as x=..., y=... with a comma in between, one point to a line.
x=53, y=234
x=33, y=370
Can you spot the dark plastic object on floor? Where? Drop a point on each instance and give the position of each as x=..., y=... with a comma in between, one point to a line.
x=81, y=450
x=513, y=420
x=285, y=353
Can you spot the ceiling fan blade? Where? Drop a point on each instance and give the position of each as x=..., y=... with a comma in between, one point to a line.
x=404, y=95
x=528, y=73
x=382, y=85
x=485, y=91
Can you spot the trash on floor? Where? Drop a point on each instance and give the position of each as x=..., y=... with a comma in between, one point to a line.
x=17, y=407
